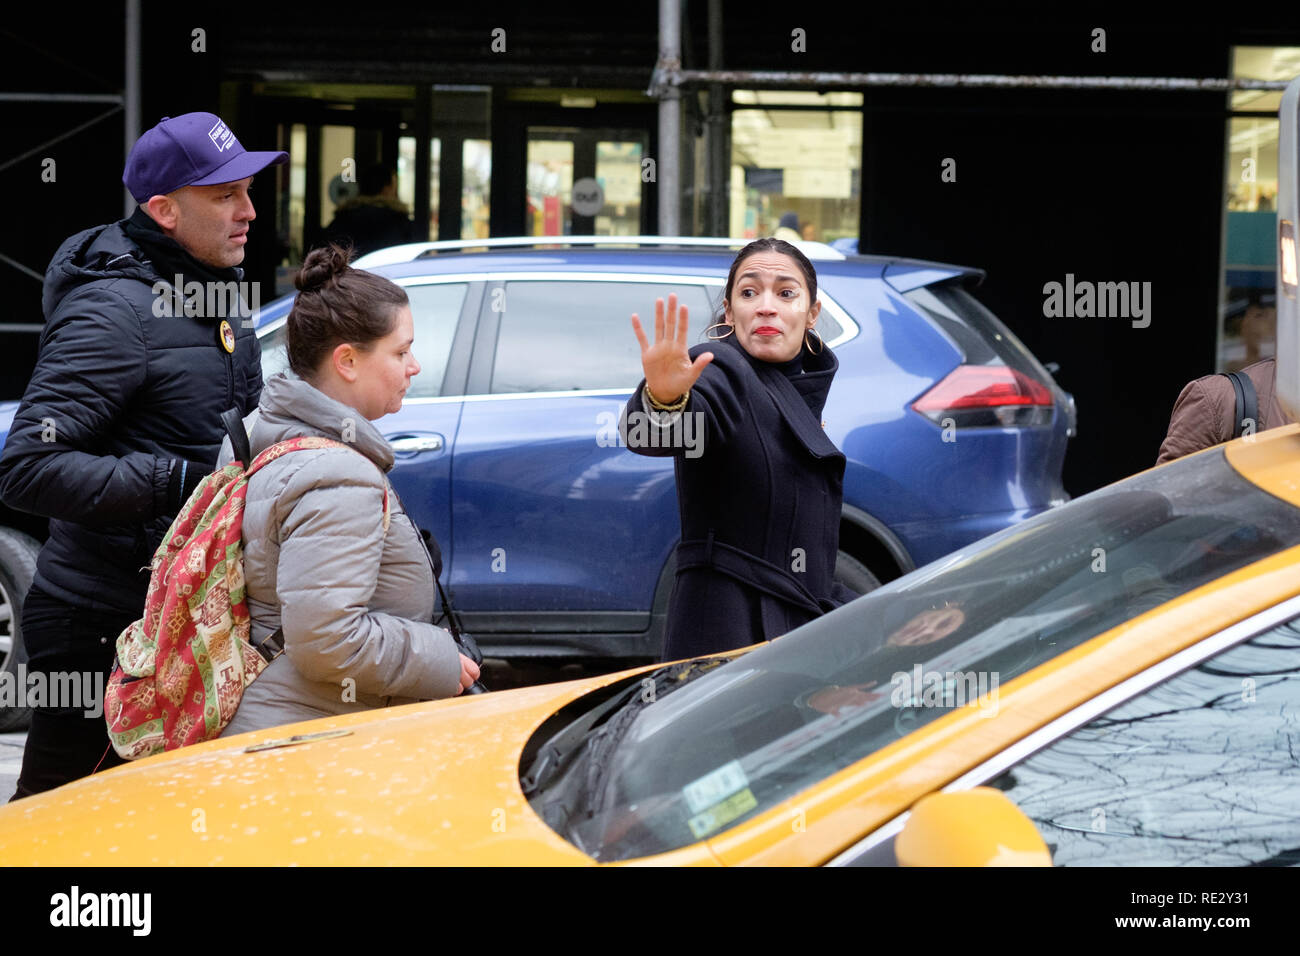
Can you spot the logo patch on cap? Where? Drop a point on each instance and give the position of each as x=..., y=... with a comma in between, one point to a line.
x=221, y=136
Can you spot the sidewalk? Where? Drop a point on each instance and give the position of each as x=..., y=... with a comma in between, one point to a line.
x=11, y=761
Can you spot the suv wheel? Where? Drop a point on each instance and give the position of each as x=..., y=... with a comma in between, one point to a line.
x=853, y=574
x=17, y=566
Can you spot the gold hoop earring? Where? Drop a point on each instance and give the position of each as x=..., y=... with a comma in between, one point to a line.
x=718, y=338
x=808, y=345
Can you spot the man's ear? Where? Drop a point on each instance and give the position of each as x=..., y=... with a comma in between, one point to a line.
x=163, y=210
x=344, y=361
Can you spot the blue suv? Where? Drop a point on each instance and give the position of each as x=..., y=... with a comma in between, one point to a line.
x=558, y=542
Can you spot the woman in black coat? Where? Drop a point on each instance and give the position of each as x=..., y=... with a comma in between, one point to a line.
x=759, y=485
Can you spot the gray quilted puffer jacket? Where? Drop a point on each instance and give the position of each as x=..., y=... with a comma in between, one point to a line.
x=355, y=602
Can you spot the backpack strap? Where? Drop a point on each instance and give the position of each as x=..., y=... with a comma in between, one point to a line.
x=272, y=646
x=234, y=423
x=1247, y=404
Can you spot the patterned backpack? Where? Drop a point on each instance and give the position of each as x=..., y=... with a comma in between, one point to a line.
x=181, y=670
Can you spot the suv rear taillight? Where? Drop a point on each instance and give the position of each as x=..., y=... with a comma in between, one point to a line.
x=974, y=396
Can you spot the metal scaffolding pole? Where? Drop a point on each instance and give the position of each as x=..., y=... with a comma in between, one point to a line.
x=717, y=219
x=60, y=98
x=131, y=97
x=668, y=172
x=667, y=77
x=130, y=100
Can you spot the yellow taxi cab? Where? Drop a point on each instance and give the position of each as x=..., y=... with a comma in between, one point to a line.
x=1114, y=681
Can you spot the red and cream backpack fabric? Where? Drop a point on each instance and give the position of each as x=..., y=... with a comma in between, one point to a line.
x=181, y=669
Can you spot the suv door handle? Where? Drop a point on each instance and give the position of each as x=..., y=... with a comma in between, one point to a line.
x=410, y=444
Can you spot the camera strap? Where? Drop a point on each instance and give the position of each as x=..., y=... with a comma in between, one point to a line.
x=453, y=619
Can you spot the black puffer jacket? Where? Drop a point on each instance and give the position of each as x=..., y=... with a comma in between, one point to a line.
x=121, y=397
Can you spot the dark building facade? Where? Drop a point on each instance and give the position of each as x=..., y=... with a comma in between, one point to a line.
x=491, y=114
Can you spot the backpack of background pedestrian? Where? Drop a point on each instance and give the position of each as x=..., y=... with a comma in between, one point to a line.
x=1246, y=403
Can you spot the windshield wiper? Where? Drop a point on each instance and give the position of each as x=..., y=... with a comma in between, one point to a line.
x=603, y=742
x=554, y=754
x=601, y=728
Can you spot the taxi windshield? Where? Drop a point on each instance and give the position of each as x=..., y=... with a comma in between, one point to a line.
x=741, y=737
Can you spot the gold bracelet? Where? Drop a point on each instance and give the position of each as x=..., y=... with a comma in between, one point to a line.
x=676, y=406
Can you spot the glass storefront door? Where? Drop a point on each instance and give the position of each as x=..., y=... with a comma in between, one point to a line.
x=796, y=164
x=1247, y=308
x=584, y=182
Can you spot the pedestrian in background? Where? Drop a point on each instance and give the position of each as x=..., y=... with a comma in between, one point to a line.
x=1206, y=411
x=374, y=219
x=121, y=418
x=788, y=228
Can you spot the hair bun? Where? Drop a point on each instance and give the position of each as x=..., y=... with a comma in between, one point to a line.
x=321, y=267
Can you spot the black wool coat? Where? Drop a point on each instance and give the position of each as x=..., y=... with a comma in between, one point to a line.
x=759, y=490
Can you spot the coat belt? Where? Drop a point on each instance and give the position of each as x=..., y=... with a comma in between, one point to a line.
x=759, y=574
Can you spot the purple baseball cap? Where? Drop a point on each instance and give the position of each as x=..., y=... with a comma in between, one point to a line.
x=196, y=149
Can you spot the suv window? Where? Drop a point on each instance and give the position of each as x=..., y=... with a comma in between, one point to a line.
x=1198, y=771
x=557, y=336
x=435, y=310
x=274, y=357
x=828, y=327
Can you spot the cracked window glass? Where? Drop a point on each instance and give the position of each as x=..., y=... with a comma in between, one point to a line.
x=1198, y=771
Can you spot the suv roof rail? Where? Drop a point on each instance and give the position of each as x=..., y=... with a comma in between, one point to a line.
x=416, y=250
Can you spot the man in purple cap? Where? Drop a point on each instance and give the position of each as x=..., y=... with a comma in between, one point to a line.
x=146, y=342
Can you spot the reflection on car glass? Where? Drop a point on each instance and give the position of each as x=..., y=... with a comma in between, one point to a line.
x=572, y=335
x=1198, y=771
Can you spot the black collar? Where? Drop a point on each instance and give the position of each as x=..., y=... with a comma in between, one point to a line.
x=801, y=398
x=169, y=257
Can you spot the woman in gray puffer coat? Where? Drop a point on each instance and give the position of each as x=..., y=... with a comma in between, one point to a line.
x=355, y=601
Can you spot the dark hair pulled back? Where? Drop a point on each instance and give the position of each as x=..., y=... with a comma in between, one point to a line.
x=337, y=304
x=771, y=244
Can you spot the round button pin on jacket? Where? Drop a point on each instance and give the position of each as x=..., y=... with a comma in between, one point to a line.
x=227, y=336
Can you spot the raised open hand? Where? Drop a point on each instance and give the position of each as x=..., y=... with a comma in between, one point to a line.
x=669, y=371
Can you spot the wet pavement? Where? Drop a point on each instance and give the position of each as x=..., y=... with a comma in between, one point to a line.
x=11, y=761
